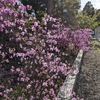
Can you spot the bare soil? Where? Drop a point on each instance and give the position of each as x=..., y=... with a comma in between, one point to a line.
x=88, y=82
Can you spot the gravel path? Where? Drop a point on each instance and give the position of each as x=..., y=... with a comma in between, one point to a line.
x=88, y=83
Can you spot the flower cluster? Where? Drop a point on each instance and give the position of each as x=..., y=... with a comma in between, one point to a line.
x=33, y=57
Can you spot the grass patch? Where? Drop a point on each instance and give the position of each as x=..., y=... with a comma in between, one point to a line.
x=95, y=45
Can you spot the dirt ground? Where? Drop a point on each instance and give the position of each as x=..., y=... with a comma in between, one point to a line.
x=88, y=82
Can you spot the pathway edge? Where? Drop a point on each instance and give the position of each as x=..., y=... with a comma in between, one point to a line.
x=68, y=86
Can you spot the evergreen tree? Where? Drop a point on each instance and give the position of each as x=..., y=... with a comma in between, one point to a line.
x=89, y=9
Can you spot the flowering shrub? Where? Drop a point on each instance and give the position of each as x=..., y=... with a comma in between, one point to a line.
x=32, y=57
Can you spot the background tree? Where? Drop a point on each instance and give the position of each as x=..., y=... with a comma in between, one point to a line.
x=49, y=7
x=98, y=15
x=38, y=7
x=85, y=21
x=89, y=9
x=65, y=9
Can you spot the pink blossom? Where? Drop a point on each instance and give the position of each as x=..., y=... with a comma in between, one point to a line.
x=33, y=28
x=29, y=7
x=3, y=54
x=29, y=42
x=44, y=83
x=18, y=70
x=1, y=93
x=28, y=86
x=1, y=86
x=23, y=33
x=35, y=24
x=0, y=47
x=20, y=54
x=31, y=98
x=18, y=39
x=22, y=79
x=74, y=98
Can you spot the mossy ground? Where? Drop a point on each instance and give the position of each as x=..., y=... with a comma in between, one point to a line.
x=95, y=45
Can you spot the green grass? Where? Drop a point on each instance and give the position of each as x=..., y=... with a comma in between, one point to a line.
x=95, y=45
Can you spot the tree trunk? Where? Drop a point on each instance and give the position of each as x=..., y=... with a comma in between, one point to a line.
x=49, y=7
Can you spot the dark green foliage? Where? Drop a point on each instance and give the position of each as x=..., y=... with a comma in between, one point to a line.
x=64, y=9
x=39, y=7
x=67, y=10
x=89, y=9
